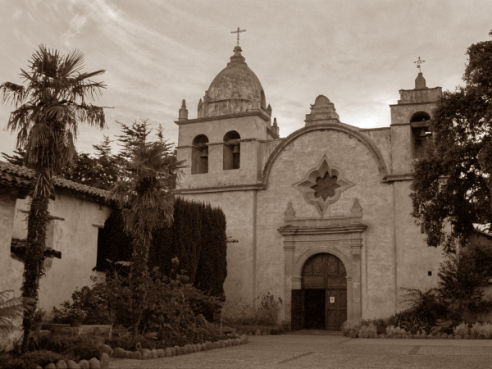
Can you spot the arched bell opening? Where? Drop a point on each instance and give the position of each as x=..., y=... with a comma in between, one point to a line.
x=199, y=155
x=232, y=150
x=421, y=132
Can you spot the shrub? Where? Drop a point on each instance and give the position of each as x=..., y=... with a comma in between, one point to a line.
x=368, y=331
x=351, y=328
x=268, y=309
x=461, y=330
x=65, y=344
x=396, y=332
x=479, y=330
x=84, y=350
x=9, y=362
x=264, y=313
x=41, y=357
x=425, y=309
x=89, y=305
x=68, y=314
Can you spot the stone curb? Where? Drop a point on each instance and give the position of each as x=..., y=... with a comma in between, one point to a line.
x=93, y=363
x=146, y=354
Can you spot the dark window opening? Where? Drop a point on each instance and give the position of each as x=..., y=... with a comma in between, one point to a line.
x=232, y=150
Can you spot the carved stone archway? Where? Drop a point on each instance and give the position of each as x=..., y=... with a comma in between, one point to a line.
x=339, y=236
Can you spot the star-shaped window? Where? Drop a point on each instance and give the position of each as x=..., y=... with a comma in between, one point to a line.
x=322, y=185
x=325, y=186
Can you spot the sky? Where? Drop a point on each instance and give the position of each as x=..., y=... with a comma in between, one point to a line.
x=359, y=53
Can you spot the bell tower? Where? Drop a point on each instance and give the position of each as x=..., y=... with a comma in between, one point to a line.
x=410, y=122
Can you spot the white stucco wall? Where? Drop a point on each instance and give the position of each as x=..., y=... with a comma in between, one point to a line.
x=73, y=232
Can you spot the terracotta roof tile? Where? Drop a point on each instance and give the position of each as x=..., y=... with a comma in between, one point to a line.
x=21, y=177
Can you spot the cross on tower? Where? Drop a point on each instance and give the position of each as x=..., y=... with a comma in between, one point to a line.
x=237, y=32
x=419, y=62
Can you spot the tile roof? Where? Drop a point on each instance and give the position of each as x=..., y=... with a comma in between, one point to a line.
x=20, y=177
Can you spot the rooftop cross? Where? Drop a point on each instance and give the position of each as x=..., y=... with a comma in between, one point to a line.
x=419, y=62
x=237, y=32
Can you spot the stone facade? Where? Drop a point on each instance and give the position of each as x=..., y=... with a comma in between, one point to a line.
x=328, y=188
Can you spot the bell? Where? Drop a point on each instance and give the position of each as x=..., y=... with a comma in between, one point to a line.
x=424, y=133
x=235, y=149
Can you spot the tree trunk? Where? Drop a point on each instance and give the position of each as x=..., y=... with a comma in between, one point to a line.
x=34, y=257
x=139, y=279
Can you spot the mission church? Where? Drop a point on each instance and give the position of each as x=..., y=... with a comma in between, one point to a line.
x=322, y=218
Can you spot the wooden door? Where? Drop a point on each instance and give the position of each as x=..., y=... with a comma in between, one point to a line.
x=297, y=310
x=327, y=272
x=336, y=308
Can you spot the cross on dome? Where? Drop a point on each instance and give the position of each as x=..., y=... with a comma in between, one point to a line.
x=237, y=32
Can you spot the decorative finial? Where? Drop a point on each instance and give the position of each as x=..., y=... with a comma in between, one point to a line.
x=419, y=62
x=183, y=112
x=237, y=32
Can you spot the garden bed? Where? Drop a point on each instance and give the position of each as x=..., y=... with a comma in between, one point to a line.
x=144, y=354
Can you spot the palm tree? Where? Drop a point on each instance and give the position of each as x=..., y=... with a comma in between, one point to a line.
x=48, y=109
x=146, y=199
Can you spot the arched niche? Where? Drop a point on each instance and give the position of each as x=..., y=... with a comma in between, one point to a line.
x=199, y=155
x=232, y=150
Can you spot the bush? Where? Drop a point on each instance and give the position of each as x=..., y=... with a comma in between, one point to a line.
x=396, y=332
x=268, y=309
x=41, y=357
x=89, y=306
x=479, y=330
x=84, y=350
x=368, y=331
x=461, y=330
x=9, y=362
x=68, y=314
x=425, y=309
x=351, y=328
x=264, y=313
x=75, y=347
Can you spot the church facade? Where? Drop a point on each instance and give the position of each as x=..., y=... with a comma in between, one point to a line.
x=321, y=218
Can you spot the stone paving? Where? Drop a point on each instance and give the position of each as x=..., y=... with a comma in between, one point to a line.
x=330, y=352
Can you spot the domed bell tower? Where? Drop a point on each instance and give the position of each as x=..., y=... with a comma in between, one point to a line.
x=221, y=146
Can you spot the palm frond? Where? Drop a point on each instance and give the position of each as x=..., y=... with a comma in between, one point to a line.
x=12, y=93
x=10, y=309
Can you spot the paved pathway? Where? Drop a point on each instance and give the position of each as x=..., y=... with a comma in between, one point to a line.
x=330, y=352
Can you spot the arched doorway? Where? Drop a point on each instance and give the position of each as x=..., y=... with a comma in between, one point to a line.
x=323, y=293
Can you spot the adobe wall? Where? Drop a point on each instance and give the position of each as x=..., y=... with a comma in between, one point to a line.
x=415, y=259
x=8, y=278
x=74, y=232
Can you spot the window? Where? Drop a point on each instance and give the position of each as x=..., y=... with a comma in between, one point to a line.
x=232, y=150
x=199, y=155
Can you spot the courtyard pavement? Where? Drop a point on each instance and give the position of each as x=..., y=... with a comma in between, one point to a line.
x=313, y=351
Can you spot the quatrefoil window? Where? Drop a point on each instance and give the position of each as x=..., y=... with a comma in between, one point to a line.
x=322, y=185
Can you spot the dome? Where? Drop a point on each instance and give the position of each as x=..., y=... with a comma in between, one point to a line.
x=236, y=89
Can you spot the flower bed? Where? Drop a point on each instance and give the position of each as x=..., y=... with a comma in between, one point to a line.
x=375, y=329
